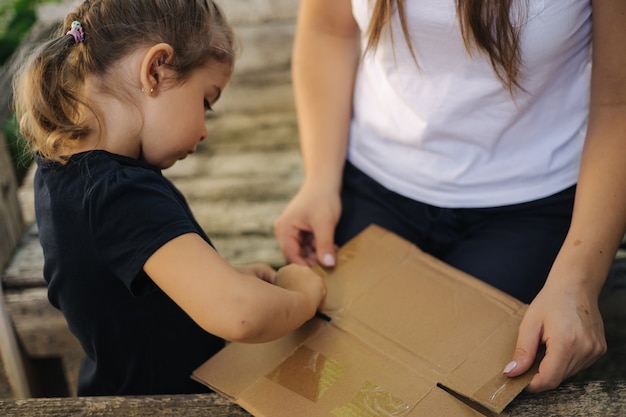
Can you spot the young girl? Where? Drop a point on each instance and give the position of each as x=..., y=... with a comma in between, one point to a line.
x=119, y=94
x=490, y=133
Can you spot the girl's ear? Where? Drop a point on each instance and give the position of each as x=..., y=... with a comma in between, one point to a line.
x=152, y=69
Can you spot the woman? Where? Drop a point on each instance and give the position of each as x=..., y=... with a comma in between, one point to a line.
x=487, y=133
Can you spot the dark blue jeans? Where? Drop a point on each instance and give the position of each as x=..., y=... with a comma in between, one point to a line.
x=510, y=247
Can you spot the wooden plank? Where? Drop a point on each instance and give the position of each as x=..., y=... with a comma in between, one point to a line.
x=42, y=329
x=26, y=266
x=596, y=398
x=207, y=405
x=11, y=228
x=11, y=355
x=257, y=93
x=259, y=12
x=11, y=222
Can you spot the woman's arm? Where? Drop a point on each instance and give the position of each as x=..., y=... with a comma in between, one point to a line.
x=325, y=57
x=237, y=304
x=565, y=314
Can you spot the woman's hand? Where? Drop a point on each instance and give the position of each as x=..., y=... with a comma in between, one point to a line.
x=305, y=230
x=566, y=319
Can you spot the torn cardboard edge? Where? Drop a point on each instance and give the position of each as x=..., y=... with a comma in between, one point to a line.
x=405, y=332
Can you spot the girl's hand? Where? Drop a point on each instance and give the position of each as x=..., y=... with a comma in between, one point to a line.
x=262, y=271
x=302, y=279
x=567, y=320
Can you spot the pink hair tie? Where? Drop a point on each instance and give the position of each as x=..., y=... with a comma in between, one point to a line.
x=77, y=32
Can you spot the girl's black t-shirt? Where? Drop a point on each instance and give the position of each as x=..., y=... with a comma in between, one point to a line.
x=100, y=217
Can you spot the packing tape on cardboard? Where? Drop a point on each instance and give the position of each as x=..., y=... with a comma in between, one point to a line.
x=307, y=373
x=373, y=401
x=310, y=374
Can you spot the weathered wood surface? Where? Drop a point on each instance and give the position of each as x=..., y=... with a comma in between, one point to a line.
x=208, y=405
x=12, y=224
x=594, y=399
x=11, y=228
x=42, y=329
x=25, y=269
x=240, y=180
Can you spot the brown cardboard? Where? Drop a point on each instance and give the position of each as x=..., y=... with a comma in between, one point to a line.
x=408, y=336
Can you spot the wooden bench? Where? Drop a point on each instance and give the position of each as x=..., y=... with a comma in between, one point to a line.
x=252, y=167
x=597, y=398
x=11, y=226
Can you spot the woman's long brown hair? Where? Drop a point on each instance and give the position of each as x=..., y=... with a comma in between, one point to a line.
x=485, y=25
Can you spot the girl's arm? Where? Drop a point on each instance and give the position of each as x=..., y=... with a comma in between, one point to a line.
x=565, y=315
x=234, y=303
x=325, y=57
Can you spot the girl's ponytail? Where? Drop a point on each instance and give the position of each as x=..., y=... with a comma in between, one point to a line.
x=47, y=97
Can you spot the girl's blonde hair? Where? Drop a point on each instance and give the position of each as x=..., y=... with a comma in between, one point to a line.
x=47, y=89
x=485, y=24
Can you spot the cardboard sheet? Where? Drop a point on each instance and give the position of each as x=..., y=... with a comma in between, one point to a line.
x=408, y=336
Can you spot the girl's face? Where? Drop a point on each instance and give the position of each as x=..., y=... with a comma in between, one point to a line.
x=174, y=120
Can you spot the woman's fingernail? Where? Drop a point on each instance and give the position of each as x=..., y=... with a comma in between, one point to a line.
x=511, y=365
x=329, y=260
